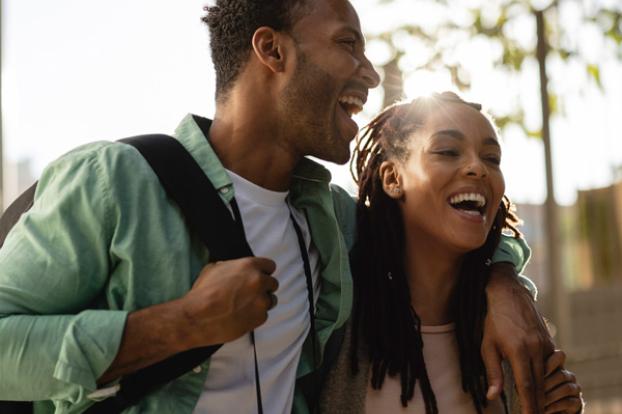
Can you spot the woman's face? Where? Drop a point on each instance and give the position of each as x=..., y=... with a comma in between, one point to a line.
x=451, y=184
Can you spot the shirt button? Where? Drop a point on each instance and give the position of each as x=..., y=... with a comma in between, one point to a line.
x=224, y=190
x=197, y=369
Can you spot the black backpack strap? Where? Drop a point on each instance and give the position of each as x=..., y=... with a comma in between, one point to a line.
x=15, y=211
x=210, y=219
x=188, y=186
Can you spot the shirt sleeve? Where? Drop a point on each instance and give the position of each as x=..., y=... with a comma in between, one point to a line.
x=517, y=252
x=54, y=265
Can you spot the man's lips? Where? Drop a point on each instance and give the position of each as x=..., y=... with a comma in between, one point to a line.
x=350, y=128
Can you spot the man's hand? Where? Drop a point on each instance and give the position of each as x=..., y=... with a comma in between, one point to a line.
x=229, y=299
x=514, y=330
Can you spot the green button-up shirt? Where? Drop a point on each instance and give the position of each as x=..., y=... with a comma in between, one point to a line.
x=103, y=239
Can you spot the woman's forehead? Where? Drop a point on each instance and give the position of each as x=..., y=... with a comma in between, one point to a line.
x=460, y=117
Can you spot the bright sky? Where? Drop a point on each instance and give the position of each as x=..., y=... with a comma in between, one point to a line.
x=75, y=71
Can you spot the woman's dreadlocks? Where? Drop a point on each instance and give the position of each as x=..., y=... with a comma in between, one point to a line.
x=384, y=322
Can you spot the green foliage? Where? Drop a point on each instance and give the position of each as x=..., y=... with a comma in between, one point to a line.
x=513, y=56
x=594, y=72
x=499, y=30
x=611, y=23
x=516, y=118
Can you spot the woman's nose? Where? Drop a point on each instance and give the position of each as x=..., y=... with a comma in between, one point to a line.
x=475, y=168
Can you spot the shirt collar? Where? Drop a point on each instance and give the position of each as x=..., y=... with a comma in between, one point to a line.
x=193, y=131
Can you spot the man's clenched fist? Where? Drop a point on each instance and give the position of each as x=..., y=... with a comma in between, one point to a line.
x=229, y=299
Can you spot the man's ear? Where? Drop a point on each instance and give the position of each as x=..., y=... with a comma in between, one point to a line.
x=269, y=48
x=391, y=179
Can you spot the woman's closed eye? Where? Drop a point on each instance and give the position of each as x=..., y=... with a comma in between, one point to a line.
x=450, y=152
x=493, y=159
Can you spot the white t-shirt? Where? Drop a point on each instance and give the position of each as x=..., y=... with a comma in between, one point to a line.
x=230, y=384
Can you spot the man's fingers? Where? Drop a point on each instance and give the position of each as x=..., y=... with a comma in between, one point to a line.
x=565, y=390
x=494, y=371
x=273, y=300
x=554, y=361
x=555, y=379
x=572, y=405
x=525, y=386
x=270, y=284
x=267, y=266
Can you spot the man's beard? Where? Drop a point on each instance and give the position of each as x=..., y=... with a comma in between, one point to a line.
x=311, y=112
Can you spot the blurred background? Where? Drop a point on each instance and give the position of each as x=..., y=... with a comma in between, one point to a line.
x=550, y=72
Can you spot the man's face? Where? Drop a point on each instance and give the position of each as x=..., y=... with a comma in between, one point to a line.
x=330, y=81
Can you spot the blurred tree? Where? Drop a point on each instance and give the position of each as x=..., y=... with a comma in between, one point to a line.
x=454, y=23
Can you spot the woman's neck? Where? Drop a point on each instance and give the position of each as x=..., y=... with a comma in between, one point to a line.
x=432, y=272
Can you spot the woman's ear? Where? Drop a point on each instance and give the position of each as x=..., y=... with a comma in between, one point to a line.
x=269, y=48
x=391, y=179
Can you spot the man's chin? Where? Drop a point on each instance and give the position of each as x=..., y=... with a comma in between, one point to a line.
x=343, y=159
x=340, y=157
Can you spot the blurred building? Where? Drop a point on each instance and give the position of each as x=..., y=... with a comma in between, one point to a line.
x=600, y=233
x=533, y=229
x=591, y=234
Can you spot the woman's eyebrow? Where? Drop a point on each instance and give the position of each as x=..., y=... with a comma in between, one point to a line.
x=492, y=141
x=456, y=134
x=453, y=133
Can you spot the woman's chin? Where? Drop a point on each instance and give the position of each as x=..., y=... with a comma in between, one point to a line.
x=468, y=244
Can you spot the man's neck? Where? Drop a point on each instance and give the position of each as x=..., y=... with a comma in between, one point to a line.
x=252, y=145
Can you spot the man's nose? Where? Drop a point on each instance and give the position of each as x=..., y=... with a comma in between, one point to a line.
x=369, y=74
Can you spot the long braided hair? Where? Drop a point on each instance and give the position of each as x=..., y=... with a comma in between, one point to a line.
x=384, y=321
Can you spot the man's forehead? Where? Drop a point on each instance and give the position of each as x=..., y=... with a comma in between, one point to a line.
x=333, y=11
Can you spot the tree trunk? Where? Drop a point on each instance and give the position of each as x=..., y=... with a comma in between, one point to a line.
x=393, y=82
x=557, y=289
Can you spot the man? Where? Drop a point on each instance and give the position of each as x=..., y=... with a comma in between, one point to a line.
x=102, y=278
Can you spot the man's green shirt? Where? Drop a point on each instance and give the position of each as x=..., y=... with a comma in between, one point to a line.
x=103, y=240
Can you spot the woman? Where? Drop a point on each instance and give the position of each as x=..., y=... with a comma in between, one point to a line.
x=430, y=214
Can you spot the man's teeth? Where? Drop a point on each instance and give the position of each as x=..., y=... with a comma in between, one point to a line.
x=479, y=199
x=351, y=104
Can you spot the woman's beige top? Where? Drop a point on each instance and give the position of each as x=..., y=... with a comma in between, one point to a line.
x=344, y=393
x=440, y=353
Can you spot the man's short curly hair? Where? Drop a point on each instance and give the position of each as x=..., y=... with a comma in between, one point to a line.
x=232, y=24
